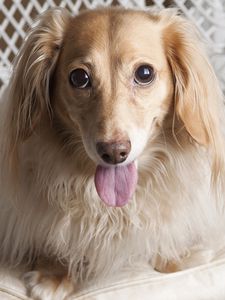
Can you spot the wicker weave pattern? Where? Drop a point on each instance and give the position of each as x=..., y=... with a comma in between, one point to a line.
x=17, y=15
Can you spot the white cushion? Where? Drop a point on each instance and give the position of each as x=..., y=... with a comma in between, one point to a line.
x=206, y=282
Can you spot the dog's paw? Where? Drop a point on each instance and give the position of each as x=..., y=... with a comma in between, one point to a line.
x=41, y=286
x=164, y=266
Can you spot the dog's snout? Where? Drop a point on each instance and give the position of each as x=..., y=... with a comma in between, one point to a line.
x=113, y=152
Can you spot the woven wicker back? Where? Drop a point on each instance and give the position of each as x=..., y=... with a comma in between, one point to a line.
x=17, y=15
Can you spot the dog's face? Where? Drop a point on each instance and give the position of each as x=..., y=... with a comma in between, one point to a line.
x=111, y=77
x=113, y=82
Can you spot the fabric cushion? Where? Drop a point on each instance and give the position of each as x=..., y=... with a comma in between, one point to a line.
x=206, y=282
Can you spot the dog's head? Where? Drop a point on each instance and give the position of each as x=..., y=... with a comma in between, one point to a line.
x=112, y=77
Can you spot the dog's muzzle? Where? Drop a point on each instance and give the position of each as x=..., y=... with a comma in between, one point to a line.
x=115, y=183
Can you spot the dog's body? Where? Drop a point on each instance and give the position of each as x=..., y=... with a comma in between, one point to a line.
x=49, y=206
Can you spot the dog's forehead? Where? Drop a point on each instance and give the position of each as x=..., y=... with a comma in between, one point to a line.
x=122, y=34
x=87, y=30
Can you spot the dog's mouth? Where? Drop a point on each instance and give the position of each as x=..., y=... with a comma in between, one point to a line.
x=116, y=185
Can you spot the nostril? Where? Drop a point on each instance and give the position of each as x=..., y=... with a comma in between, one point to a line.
x=106, y=158
x=123, y=154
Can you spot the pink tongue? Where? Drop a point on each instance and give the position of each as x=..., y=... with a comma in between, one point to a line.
x=115, y=185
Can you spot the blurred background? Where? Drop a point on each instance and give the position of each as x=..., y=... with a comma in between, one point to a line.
x=16, y=16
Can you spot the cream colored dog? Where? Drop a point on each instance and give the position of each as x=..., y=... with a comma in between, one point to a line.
x=111, y=149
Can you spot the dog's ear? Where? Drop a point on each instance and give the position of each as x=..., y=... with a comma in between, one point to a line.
x=29, y=88
x=196, y=91
x=198, y=99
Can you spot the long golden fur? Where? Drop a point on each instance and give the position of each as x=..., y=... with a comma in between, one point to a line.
x=49, y=206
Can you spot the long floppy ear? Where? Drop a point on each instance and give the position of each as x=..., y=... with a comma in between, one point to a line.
x=198, y=98
x=29, y=89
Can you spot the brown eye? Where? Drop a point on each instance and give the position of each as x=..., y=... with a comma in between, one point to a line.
x=79, y=79
x=144, y=75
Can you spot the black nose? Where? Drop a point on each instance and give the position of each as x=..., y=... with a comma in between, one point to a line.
x=113, y=152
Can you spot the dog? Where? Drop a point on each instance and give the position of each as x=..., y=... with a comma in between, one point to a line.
x=112, y=149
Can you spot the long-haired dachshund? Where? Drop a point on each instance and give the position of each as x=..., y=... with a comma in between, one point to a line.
x=112, y=151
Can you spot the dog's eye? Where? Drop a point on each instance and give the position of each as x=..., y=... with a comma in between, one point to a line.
x=144, y=75
x=80, y=79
